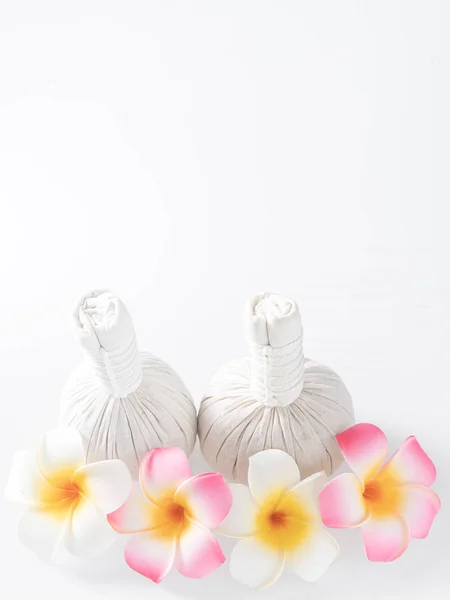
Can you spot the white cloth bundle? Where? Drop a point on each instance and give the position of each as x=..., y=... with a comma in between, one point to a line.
x=122, y=401
x=274, y=399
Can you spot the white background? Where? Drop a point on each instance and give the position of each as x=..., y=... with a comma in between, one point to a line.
x=189, y=154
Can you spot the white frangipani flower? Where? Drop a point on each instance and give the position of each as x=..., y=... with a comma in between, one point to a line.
x=67, y=500
x=279, y=520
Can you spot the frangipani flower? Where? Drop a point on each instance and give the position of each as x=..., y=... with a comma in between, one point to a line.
x=67, y=500
x=170, y=512
x=391, y=501
x=278, y=517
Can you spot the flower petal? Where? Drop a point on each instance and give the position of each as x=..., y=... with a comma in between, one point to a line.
x=198, y=553
x=43, y=530
x=314, y=555
x=385, y=539
x=150, y=555
x=365, y=448
x=254, y=564
x=89, y=532
x=241, y=520
x=271, y=471
x=410, y=464
x=106, y=483
x=341, y=502
x=207, y=497
x=26, y=484
x=307, y=494
x=420, y=506
x=59, y=454
x=163, y=470
x=135, y=515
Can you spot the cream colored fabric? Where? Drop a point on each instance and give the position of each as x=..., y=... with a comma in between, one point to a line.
x=122, y=401
x=273, y=399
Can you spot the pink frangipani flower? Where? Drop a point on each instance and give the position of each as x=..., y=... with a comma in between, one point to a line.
x=391, y=501
x=170, y=514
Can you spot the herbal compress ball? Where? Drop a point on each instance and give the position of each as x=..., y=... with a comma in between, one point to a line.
x=122, y=401
x=274, y=399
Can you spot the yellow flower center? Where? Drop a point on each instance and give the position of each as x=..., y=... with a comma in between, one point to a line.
x=59, y=493
x=382, y=496
x=175, y=513
x=169, y=518
x=282, y=522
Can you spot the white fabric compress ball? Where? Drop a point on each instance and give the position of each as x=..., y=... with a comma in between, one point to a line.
x=122, y=401
x=274, y=399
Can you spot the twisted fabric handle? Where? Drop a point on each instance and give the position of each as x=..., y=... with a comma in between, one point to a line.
x=105, y=331
x=275, y=337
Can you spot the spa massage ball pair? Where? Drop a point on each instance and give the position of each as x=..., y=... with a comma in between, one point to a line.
x=125, y=402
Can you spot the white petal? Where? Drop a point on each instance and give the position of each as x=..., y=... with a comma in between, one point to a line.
x=240, y=521
x=271, y=471
x=314, y=555
x=26, y=484
x=307, y=494
x=89, y=533
x=59, y=454
x=255, y=565
x=106, y=483
x=43, y=530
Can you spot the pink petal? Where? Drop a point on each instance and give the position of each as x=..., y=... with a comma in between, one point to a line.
x=150, y=555
x=341, y=502
x=199, y=553
x=207, y=498
x=135, y=515
x=163, y=470
x=385, y=539
x=420, y=506
x=410, y=464
x=365, y=448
